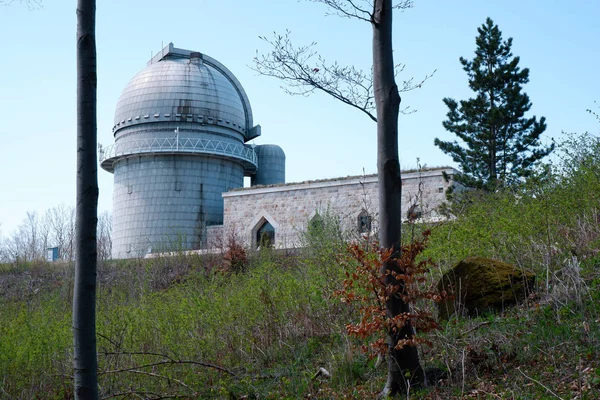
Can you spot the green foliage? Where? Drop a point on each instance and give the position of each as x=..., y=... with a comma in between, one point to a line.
x=536, y=225
x=502, y=145
x=266, y=324
x=264, y=331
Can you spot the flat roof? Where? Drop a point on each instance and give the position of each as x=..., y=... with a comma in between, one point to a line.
x=332, y=182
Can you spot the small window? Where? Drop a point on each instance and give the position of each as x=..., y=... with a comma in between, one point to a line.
x=265, y=236
x=440, y=190
x=178, y=186
x=364, y=222
x=129, y=189
x=414, y=213
x=316, y=224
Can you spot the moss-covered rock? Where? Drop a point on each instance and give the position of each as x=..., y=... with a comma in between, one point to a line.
x=477, y=285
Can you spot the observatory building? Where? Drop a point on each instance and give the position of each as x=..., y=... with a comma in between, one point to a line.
x=181, y=129
x=180, y=156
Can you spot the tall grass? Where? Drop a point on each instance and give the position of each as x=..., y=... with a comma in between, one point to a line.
x=186, y=326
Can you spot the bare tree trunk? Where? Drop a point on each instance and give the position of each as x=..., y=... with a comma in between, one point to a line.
x=403, y=364
x=84, y=295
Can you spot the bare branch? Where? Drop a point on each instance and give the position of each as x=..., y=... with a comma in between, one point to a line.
x=31, y=4
x=351, y=9
x=403, y=5
x=304, y=71
x=167, y=360
x=145, y=395
x=155, y=375
x=347, y=9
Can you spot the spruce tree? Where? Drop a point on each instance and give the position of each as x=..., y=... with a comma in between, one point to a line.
x=499, y=144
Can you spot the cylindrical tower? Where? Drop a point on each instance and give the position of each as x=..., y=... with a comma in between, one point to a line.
x=180, y=130
x=271, y=165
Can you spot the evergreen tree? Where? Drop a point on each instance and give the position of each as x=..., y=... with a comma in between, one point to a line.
x=502, y=145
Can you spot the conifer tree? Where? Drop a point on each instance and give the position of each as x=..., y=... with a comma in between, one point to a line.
x=500, y=145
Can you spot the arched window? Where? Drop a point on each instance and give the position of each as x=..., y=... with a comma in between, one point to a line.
x=316, y=223
x=414, y=213
x=265, y=235
x=364, y=222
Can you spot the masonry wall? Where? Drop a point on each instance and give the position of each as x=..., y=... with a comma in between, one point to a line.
x=290, y=207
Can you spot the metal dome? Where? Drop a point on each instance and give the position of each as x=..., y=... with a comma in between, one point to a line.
x=180, y=85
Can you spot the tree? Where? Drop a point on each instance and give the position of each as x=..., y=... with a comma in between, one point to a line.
x=502, y=145
x=29, y=241
x=377, y=95
x=86, y=211
x=61, y=225
x=104, y=236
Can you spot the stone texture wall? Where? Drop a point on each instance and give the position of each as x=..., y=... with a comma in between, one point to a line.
x=290, y=207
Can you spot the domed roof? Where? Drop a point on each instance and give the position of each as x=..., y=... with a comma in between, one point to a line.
x=270, y=150
x=180, y=85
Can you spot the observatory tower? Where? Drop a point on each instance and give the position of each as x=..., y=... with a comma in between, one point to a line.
x=180, y=129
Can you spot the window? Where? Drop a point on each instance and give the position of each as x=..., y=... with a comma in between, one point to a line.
x=414, y=213
x=265, y=235
x=440, y=190
x=316, y=224
x=364, y=222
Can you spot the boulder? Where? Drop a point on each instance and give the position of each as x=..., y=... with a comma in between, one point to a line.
x=477, y=285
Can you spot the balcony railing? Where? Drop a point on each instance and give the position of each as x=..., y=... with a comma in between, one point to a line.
x=111, y=153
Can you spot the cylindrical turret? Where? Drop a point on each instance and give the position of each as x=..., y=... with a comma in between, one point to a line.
x=180, y=130
x=271, y=165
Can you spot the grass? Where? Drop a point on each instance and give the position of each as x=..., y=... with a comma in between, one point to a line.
x=195, y=327
x=265, y=333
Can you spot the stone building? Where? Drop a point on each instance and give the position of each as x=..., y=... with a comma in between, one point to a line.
x=284, y=211
x=182, y=128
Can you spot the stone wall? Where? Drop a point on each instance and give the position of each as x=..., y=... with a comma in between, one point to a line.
x=289, y=207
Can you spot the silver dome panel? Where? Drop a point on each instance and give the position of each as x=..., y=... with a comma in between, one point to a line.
x=180, y=90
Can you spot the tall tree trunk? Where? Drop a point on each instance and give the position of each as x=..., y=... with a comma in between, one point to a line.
x=403, y=364
x=84, y=294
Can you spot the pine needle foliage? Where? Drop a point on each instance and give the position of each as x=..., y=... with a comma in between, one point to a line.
x=499, y=145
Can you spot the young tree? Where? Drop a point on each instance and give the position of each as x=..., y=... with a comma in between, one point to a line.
x=377, y=95
x=28, y=242
x=502, y=145
x=61, y=225
x=104, y=236
x=84, y=294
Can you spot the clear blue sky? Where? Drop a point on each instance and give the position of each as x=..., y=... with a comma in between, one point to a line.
x=322, y=138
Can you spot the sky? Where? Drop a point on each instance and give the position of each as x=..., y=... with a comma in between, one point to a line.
x=321, y=137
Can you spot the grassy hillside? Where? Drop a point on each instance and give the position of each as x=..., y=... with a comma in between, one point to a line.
x=208, y=327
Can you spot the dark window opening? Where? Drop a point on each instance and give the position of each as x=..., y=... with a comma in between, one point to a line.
x=316, y=224
x=265, y=235
x=364, y=222
x=414, y=213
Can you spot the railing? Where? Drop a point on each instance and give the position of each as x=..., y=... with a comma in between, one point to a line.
x=176, y=145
